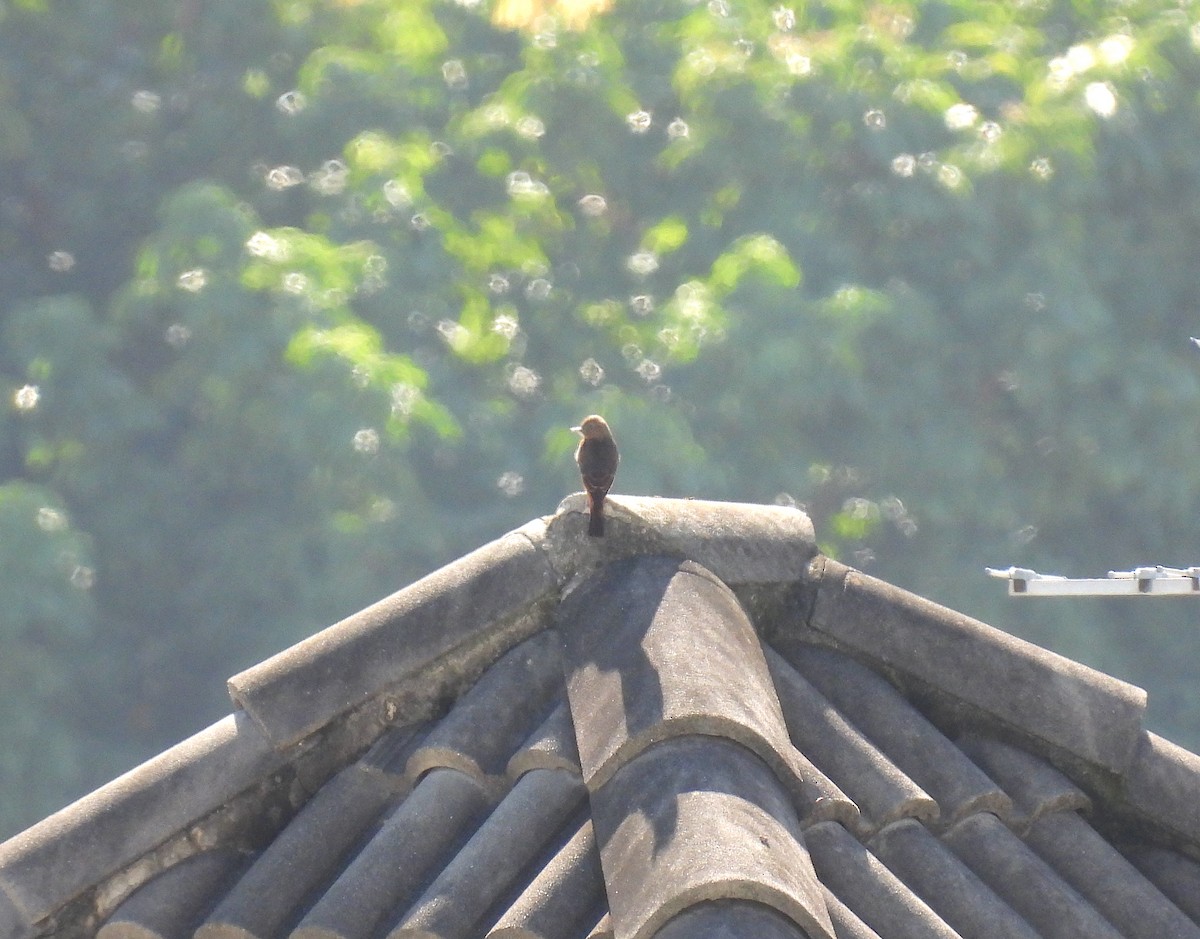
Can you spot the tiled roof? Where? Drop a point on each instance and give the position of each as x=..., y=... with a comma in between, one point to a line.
x=696, y=727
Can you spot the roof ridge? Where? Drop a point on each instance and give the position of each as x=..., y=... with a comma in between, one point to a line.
x=136, y=813
x=967, y=665
x=675, y=756
x=498, y=595
x=738, y=542
x=301, y=689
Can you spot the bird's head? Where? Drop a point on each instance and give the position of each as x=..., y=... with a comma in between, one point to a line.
x=593, y=427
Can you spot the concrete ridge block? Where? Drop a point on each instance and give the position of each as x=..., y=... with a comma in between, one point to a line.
x=301, y=689
x=697, y=819
x=648, y=647
x=47, y=865
x=1161, y=786
x=741, y=543
x=1022, y=686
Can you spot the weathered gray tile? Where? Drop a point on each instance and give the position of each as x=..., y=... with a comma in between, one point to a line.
x=550, y=746
x=1106, y=879
x=1178, y=877
x=869, y=889
x=560, y=899
x=846, y=923
x=951, y=889
x=699, y=817
x=412, y=845
x=649, y=648
x=487, y=865
x=1024, y=881
x=856, y=766
x=175, y=902
x=304, y=858
x=905, y=735
x=488, y=723
x=1034, y=785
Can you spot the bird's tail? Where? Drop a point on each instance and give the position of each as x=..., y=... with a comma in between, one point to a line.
x=596, y=521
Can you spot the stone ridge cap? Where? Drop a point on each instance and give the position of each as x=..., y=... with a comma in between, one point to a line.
x=307, y=685
x=46, y=866
x=1162, y=788
x=739, y=542
x=969, y=671
x=717, y=727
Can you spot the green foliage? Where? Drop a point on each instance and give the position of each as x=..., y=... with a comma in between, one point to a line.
x=300, y=297
x=48, y=622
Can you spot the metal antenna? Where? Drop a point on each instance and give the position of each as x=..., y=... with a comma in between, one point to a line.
x=1155, y=581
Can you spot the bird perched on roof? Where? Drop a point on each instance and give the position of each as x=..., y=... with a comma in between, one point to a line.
x=597, y=458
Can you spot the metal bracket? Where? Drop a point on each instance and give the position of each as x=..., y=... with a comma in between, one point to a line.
x=1141, y=581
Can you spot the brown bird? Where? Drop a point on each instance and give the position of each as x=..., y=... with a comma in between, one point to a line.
x=597, y=458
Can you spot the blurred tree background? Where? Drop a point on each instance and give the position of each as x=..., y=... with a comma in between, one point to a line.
x=299, y=297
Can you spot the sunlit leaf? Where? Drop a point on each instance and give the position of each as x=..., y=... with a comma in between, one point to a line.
x=666, y=236
x=758, y=254
x=411, y=32
x=352, y=342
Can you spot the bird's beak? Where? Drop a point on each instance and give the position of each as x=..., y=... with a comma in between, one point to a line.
x=578, y=430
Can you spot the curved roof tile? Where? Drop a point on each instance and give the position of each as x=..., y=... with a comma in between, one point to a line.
x=410, y=846
x=630, y=636
x=490, y=863
x=905, y=735
x=694, y=819
x=958, y=896
x=1026, y=883
x=881, y=791
x=862, y=882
